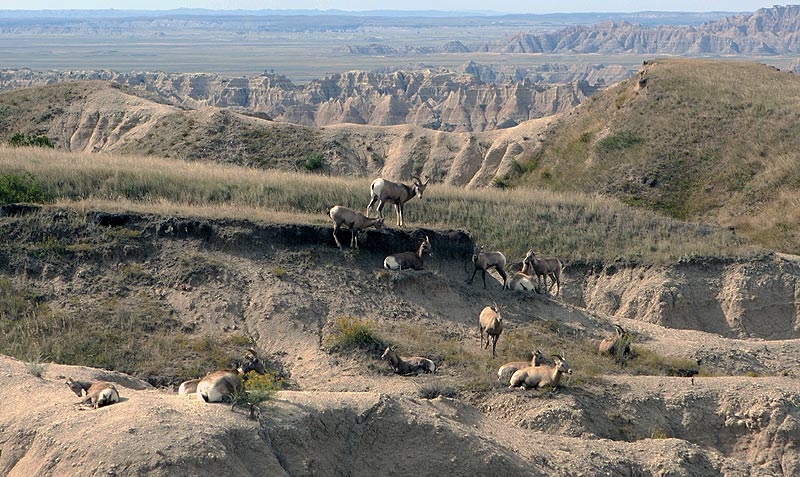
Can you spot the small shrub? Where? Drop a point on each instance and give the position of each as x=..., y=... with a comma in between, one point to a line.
x=35, y=369
x=19, y=188
x=258, y=388
x=433, y=391
x=313, y=161
x=352, y=333
x=279, y=272
x=21, y=140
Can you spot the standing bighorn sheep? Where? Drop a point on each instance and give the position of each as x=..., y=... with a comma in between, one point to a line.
x=523, y=280
x=545, y=268
x=384, y=191
x=404, y=260
x=408, y=364
x=618, y=347
x=505, y=371
x=491, y=323
x=540, y=376
x=217, y=385
x=98, y=394
x=486, y=260
x=355, y=221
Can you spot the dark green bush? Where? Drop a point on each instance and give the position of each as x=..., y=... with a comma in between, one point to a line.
x=19, y=140
x=19, y=188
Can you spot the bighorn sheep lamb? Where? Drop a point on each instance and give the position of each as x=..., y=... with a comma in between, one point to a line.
x=618, y=347
x=491, y=323
x=486, y=260
x=98, y=394
x=355, y=221
x=523, y=280
x=216, y=385
x=505, y=371
x=545, y=268
x=384, y=191
x=408, y=364
x=540, y=376
x=404, y=260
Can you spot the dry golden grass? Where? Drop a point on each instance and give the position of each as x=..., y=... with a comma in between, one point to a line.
x=573, y=225
x=695, y=139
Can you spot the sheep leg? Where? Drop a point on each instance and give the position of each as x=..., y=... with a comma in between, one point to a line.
x=371, y=203
x=353, y=239
x=494, y=344
x=336, y=229
x=484, y=278
x=473, y=275
x=399, y=209
x=502, y=274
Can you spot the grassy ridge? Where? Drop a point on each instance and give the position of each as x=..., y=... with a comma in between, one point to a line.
x=574, y=226
x=694, y=139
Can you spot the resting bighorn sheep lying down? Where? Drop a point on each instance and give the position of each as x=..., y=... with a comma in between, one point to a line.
x=355, y=221
x=619, y=346
x=540, y=376
x=217, y=385
x=523, y=280
x=486, y=260
x=408, y=364
x=491, y=323
x=505, y=371
x=545, y=268
x=98, y=394
x=383, y=192
x=404, y=260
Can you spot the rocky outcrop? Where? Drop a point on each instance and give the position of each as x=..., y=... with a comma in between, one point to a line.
x=748, y=298
x=768, y=31
x=475, y=99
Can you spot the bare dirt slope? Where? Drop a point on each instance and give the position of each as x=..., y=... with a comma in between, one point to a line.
x=346, y=414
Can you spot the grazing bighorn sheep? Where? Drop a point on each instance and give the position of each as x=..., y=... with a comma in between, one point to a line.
x=545, y=268
x=523, y=280
x=216, y=385
x=486, y=260
x=384, y=192
x=408, y=364
x=618, y=347
x=355, y=221
x=505, y=371
x=492, y=324
x=404, y=260
x=98, y=394
x=540, y=376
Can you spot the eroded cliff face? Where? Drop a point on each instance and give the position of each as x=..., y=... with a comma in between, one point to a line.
x=433, y=99
x=755, y=298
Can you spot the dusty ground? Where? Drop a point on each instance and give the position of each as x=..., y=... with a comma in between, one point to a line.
x=346, y=415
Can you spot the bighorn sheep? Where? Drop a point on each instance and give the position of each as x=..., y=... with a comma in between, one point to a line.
x=486, y=260
x=188, y=387
x=523, y=280
x=216, y=385
x=505, y=371
x=540, y=376
x=355, y=221
x=491, y=323
x=408, y=364
x=404, y=260
x=618, y=347
x=98, y=394
x=384, y=192
x=545, y=268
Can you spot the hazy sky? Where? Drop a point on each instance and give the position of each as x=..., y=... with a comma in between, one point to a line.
x=504, y=6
